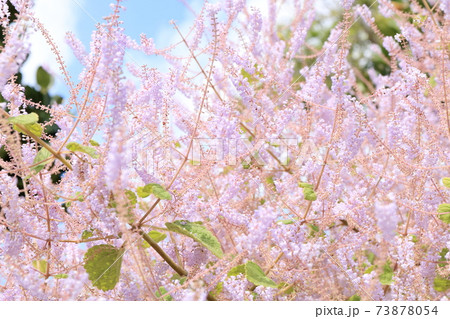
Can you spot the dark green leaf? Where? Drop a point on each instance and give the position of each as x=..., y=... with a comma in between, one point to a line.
x=43, y=78
x=103, y=264
x=199, y=233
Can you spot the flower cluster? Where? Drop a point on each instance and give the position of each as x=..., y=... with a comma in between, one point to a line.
x=271, y=161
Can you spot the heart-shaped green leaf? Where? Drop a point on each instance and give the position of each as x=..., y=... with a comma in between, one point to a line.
x=103, y=264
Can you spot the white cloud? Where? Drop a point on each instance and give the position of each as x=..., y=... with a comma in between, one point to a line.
x=58, y=17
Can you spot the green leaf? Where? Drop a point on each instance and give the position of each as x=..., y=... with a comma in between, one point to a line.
x=256, y=275
x=154, y=189
x=445, y=218
x=246, y=165
x=40, y=265
x=217, y=290
x=76, y=147
x=103, y=264
x=369, y=270
x=441, y=284
x=86, y=234
x=34, y=128
x=285, y=221
x=162, y=291
x=284, y=285
x=160, y=192
x=251, y=78
x=305, y=185
x=387, y=274
x=24, y=119
x=240, y=269
x=30, y=121
x=61, y=276
x=94, y=143
x=199, y=233
x=370, y=256
x=156, y=236
x=446, y=182
x=43, y=78
x=309, y=194
x=180, y=279
x=443, y=252
x=354, y=298
x=142, y=192
x=131, y=197
x=444, y=208
x=42, y=155
x=314, y=228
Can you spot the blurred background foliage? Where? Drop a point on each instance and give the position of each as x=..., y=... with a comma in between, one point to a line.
x=362, y=38
x=39, y=94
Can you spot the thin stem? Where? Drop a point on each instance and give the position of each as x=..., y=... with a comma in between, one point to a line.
x=208, y=79
x=181, y=271
x=82, y=107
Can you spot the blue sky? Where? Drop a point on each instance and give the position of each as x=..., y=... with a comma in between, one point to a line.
x=80, y=17
x=141, y=16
